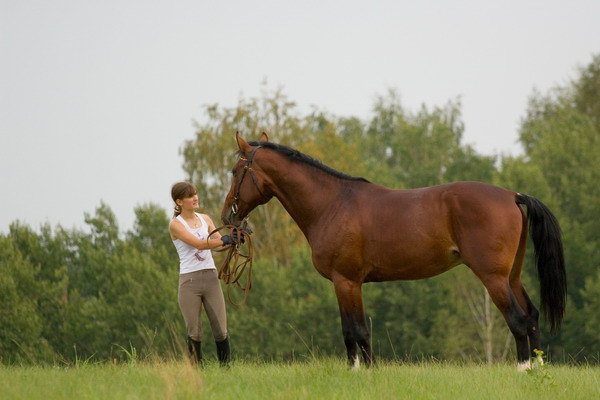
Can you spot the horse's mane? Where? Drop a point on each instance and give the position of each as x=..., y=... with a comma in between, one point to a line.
x=295, y=155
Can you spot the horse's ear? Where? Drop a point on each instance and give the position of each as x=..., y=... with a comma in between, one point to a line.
x=263, y=137
x=242, y=144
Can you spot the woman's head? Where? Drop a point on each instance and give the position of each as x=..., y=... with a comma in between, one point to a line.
x=184, y=195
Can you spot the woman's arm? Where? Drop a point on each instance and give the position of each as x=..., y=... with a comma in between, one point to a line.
x=211, y=227
x=178, y=231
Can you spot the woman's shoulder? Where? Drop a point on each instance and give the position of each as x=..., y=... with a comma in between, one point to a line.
x=174, y=222
x=175, y=227
x=206, y=217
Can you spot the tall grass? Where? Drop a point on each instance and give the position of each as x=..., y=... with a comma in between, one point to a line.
x=314, y=379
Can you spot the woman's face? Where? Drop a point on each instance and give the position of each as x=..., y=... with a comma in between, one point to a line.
x=189, y=203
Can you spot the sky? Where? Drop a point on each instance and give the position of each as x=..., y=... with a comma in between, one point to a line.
x=97, y=97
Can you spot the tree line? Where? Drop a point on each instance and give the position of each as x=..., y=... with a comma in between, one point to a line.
x=98, y=294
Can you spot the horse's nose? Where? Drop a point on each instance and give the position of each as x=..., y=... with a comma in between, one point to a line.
x=226, y=216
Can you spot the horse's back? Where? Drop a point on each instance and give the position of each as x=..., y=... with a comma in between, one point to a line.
x=436, y=205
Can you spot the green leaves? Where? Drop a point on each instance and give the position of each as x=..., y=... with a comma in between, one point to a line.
x=108, y=293
x=19, y=294
x=561, y=138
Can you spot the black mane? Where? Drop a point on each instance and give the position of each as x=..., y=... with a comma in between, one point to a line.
x=301, y=157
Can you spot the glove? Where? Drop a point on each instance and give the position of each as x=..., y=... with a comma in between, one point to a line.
x=234, y=237
x=227, y=240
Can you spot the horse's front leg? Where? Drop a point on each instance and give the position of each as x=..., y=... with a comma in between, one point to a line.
x=354, y=325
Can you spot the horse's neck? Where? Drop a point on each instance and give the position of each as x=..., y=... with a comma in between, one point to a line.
x=306, y=193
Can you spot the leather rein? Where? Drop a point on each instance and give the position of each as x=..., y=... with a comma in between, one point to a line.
x=237, y=262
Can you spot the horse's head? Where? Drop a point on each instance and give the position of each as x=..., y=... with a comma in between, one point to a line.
x=248, y=187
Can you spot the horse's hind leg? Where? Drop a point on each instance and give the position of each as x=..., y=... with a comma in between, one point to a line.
x=354, y=326
x=503, y=297
x=533, y=325
x=533, y=315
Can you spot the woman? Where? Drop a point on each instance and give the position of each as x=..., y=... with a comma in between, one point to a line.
x=198, y=281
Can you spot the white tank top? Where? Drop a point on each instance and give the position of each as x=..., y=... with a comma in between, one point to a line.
x=190, y=258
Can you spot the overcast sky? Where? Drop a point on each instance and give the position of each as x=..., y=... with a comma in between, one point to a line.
x=96, y=97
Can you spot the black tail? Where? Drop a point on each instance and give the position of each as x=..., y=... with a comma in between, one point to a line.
x=545, y=233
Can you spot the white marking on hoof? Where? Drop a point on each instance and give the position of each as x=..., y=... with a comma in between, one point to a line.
x=356, y=365
x=524, y=366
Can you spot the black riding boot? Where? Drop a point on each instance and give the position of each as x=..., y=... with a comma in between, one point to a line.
x=195, y=351
x=223, y=352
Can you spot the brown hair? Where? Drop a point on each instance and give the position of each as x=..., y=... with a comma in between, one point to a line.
x=179, y=191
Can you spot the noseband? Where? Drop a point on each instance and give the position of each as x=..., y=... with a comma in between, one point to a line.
x=247, y=167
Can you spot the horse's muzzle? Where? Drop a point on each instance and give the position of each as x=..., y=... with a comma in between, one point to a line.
x=229, y=217
x=226, y=217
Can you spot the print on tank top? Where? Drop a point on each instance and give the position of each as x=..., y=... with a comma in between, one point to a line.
x=198, y=254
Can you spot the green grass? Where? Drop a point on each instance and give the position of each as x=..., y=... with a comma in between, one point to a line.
x=326, y=379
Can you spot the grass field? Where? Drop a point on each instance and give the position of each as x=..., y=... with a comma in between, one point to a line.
x=320, y=379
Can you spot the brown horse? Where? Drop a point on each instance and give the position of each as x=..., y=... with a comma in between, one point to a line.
x=361, y=232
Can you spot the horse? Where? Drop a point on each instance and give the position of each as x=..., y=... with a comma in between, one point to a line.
x=361, y=232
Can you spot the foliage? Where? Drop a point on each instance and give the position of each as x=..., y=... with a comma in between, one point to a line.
x=103, y=294
x=20, y=336
x=561, y=138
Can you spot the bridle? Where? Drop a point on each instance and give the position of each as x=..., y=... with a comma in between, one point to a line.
x=247, y=168
x=236, y=264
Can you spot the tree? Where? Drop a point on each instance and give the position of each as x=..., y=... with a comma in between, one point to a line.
x=150, y=236
x=561, y=136
x=21, y=338
x=587, y=91
x=49, y=252
x=409, y=150
x=590, y=318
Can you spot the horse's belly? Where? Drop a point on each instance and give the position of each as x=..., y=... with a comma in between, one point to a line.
x=406, y=274
x=403, y=268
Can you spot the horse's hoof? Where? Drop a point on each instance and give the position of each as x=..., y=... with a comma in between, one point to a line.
x=524, y=366
x=356, y=364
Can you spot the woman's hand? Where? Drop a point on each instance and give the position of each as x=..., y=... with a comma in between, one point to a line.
x=227, y=240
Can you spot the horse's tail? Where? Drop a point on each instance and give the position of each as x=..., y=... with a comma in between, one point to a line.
x=546, y=236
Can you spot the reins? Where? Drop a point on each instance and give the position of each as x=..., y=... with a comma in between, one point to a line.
x=236, y=263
